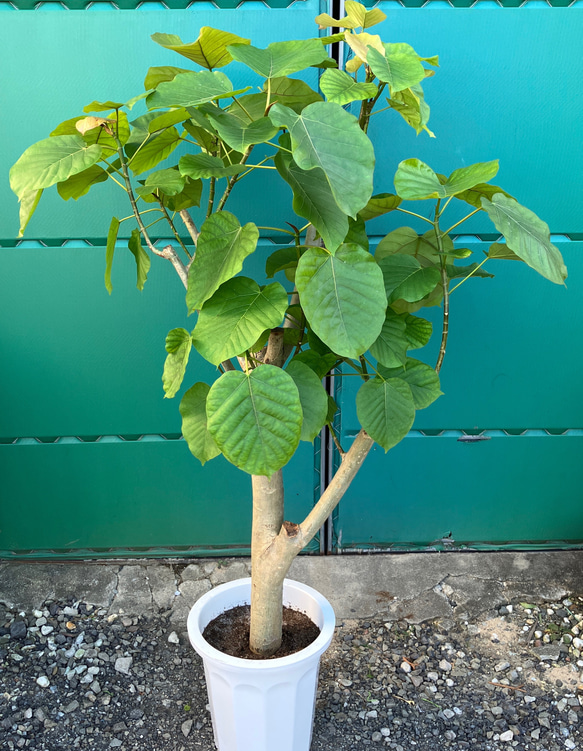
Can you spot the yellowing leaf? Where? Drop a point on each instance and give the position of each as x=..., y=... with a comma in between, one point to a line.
x=91, y=122
x=359, y=43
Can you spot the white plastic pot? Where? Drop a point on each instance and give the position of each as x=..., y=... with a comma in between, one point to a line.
x=261, y=705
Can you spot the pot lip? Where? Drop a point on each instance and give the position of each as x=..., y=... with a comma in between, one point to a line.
x=315, y=649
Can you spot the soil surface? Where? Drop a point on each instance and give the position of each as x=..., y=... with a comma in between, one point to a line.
x=229, y=633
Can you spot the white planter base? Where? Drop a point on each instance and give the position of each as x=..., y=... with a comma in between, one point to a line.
x=262, y=705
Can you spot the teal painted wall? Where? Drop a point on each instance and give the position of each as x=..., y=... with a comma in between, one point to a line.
x=77, y=362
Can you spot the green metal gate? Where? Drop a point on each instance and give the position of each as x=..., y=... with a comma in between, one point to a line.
x=91, y=460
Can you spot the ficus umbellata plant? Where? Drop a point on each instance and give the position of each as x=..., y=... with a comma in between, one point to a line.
x=336, y=306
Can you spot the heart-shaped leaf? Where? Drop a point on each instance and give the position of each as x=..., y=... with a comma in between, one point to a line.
x=194, y=423
x=178, y=346
x=255, y=418
x=235, y=316
x=190, y=89
x=421, y=379
x=390, y=348
x=405, y=278
x=527, y=235
x=386, y=410
x=222, y=247
x=209, y=50
x=343, y=297
x=325, y=135
x=341, y=88
x=280, y=58
x=313, y=398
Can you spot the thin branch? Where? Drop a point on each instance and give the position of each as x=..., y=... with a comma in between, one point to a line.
x=412, y=213
x=190, y=226
x=173, y=228
x=336, y=440
x=461, y=221
x=465, y=279
x=233, y=180
x=228, y=365
x=211, y=203
x=168, y=252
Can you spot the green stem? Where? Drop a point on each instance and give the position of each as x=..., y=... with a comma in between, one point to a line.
x=412, y=213
x=211, y=203
x=232, y=182
x=277, y=229
x=461, y=221
x=173, y=228
x=445, y=285
x=459, y=284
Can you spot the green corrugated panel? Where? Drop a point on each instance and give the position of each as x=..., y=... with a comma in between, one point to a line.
x=107, y=498
x=507, y=489
x=135, y=4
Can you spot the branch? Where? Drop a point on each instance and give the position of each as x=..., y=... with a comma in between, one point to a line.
x=274, y=352
x=445, y=325
x=190, y=226
x=233, y=180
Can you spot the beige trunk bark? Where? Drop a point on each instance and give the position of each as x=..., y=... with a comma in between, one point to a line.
x=276, y=543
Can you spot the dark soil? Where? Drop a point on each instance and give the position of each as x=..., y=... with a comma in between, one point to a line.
x=229, y=633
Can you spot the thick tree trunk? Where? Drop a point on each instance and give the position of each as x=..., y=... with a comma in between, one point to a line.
x=267, y=577
x=275, y=543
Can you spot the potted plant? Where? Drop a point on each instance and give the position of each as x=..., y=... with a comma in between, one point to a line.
x=336, y=305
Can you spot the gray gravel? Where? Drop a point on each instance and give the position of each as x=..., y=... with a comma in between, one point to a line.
x=72, y=676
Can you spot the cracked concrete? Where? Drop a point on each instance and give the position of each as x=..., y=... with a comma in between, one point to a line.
x=415, y=586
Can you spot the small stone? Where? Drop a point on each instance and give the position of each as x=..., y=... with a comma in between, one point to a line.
x=372, y=715
x=376, y=737
x=46, y=630
x=535, y=734
x=345, y=682
x=173, y=638
x=120, y=727
x=71, y=707
x=43, y=681
x=448, y=713
x=501, y=666
x=433, y=676
x=18, y=630
x=123, y=665
x=70, y=626
x=548, y=651
x=529, y=699
x=507, y=736
x=445, y=666
x=405, y=667
x=385, y=732
x=450, y=735
x=570, y=744
x=115, y=743
x=578, y=643
x=186, y=727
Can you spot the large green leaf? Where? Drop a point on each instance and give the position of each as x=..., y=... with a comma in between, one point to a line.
x=280, y=58
x=284, y=258
x=239, y=135
x=341, y=88
x=502, y=252
x=222, y=247
x=313, y=398
x=209, y=50
x=178, y=346
x=160, y=73
x=400, y=66
x=167, y=181
x=78, y=185
x=379, y=205
x=415, y=180
x=190, y=89
x=527, y=235
x=325, y=135
x=313, y=200
x=343, y=297
x=28, y=203
x=255, y=418
x=292, y=93
x=320, y=364
x=390, y=349
x=421, y=379
x=154, y=151
x=188, y=197
x=142, y=258
x=406, y=241
x=194, y=423
x=205, y=166
x=109, y=251
x=386, y=410
x=418, y=331
x=235, y=316
x=405, y=278
x=411, y=105
x=474, y=195
x=52, y=161
x=167, y=119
